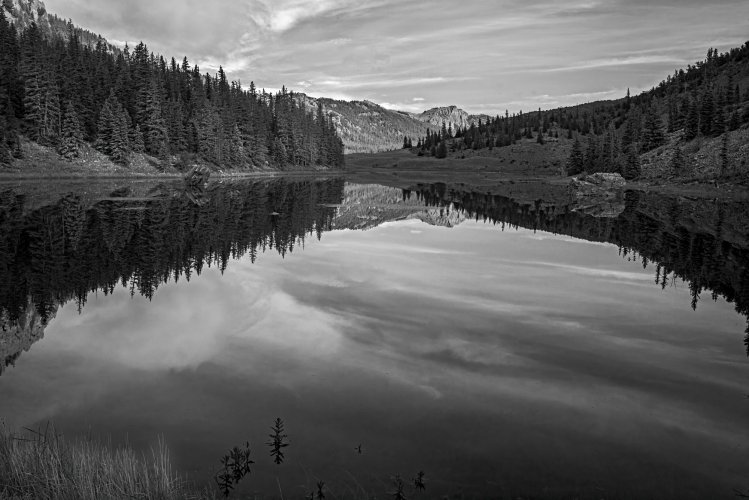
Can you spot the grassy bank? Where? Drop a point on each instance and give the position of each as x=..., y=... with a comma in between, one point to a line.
x=43, y=162
x=44, y=465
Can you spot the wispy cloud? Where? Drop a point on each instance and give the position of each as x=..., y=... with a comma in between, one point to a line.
x=505, y=52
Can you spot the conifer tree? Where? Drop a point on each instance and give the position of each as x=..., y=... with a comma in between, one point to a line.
x=719, y=121
x=653, y=136
x=724, y=159
x=631, y=168
x=441, y=151
x=707, y=110
x=692, y=127
x=676, y=165
x=576, y=161
x=71, y=136
x=590, y=163
x=137, y=142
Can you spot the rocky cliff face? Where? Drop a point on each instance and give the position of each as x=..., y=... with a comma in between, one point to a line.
x=451, y=116
x=24, y=12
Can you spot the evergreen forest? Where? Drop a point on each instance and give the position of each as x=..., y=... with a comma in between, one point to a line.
x=67, y=94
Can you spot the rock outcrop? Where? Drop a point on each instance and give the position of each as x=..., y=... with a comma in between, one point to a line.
x=598, y=195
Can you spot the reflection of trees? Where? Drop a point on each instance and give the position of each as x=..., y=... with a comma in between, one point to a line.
x=63, y=251
x=701, y=242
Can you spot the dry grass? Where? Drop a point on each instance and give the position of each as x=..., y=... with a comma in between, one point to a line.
x=45, y=465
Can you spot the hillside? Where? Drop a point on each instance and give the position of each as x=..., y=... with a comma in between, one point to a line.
x=68, y=96
x=693, y=126
x=366, y=127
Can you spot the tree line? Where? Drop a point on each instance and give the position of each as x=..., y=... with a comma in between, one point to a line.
x=63, y=93
x=706, y=99
x=67, y=249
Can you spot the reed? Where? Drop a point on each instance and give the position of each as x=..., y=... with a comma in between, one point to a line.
x=45, y=465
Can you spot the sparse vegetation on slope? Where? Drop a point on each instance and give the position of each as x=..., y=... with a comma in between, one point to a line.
x=692, y=126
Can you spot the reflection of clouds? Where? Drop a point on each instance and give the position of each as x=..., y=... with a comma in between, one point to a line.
x=470, y=321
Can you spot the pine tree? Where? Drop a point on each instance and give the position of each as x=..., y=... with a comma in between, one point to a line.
x=707, y=111
x=112, y=138
x=576, y=161
x=236, y=148
x=653, y=136
x=6, y=158
x=71, y=136
x=719, y=121
x=724, y=161
x=676, y=165
x=441, y=151
x=136, y=140
x=692, y=128
x=631, y=169
x=590, y=163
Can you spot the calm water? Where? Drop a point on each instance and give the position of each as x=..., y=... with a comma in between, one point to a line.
x=503, y=346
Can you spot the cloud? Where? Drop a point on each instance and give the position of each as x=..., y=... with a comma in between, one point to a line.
x=483, y=55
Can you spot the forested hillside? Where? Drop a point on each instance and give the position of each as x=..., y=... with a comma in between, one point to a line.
x=66, y=94
x=694, y=123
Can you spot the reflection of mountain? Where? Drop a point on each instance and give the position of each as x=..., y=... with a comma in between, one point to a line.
x=702, y=242
x=18, y=335
x=368, y=205
x=59, y=252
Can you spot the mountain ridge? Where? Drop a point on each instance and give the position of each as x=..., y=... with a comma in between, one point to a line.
x=23, y=13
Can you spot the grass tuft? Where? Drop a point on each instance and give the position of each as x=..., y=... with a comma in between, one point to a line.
x=42, y=464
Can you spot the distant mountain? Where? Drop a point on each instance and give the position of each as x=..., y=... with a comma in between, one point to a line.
x=366, y=127
x=24, y=12
x=451, y=116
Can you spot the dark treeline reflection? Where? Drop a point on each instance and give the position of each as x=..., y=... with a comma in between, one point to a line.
x=704, y=243
x=62, y=251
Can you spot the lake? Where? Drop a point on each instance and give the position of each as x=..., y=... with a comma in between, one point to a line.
x=507, y=341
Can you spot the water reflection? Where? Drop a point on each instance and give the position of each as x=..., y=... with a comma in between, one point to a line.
x=704, y=243
x=62, y=251
x=509, y=364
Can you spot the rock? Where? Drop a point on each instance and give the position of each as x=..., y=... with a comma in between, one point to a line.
x=598, y=195
x=198, y=175
x=606, y=180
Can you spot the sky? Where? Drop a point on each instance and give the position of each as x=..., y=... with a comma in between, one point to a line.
x=482, y=55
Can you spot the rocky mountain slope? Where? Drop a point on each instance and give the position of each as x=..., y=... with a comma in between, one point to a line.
x=451, y=116
x=24, y=12
x=366, y=127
